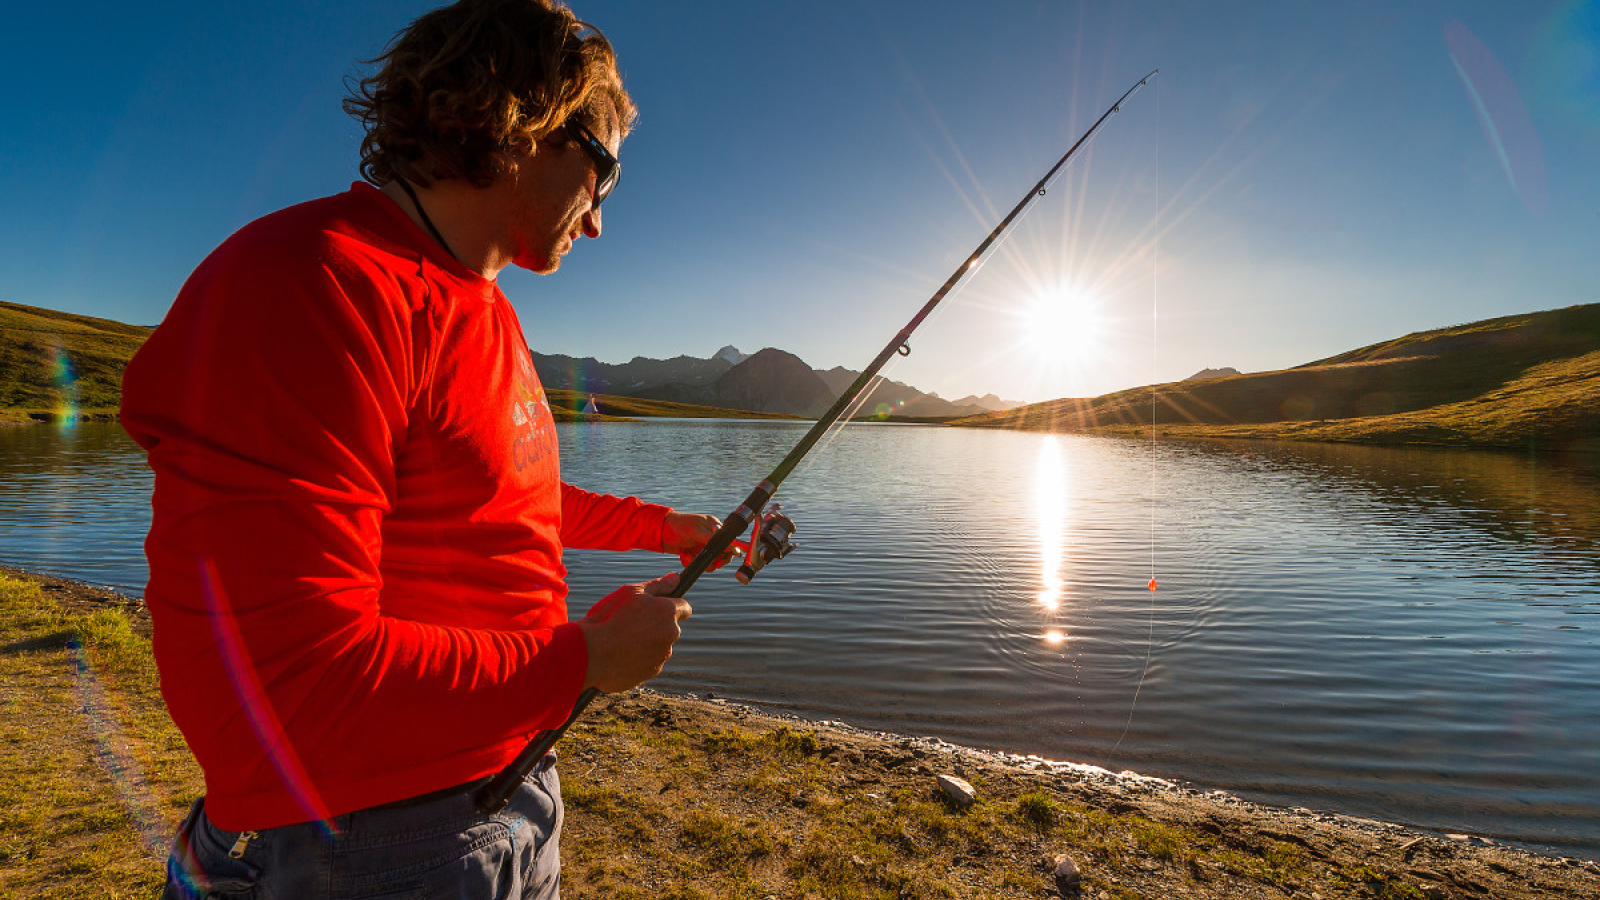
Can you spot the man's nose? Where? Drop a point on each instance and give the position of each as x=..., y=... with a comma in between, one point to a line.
x=591, y=223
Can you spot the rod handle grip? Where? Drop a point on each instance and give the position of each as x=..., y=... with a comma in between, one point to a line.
x=493, y=797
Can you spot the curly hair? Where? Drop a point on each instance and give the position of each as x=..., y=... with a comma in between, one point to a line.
x=466, y=89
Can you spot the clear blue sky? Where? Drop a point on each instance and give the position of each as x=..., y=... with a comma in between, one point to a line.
x=1302, y=178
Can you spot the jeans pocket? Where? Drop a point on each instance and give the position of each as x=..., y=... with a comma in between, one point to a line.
x=230, y=890
x=200, y=867
x=451, y=861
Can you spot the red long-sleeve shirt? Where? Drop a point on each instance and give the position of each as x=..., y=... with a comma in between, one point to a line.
x=355, y=551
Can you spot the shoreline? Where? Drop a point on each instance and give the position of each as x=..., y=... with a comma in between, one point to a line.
x=34, y=417
x=80, y=593
x=1126, y=780
x=75, y=590
x=1291, y=433
x=1404, y=852
x=1211, y=837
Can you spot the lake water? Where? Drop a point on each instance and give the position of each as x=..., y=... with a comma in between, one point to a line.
x=1405, y=634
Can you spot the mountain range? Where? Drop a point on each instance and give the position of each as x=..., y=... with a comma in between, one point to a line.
x=55, y=363
x=771, y=381
x=1526, y=380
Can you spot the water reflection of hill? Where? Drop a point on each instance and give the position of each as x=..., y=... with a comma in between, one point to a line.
x=1519, y=494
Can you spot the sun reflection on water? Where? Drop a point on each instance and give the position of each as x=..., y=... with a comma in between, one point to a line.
x=1050, y=504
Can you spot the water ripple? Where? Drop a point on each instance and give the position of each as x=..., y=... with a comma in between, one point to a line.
x=1394, y=633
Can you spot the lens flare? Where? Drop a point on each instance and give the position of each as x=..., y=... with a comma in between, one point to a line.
x=253, y=698
x=1505, y=121
x=65, y=380
x=114, y=750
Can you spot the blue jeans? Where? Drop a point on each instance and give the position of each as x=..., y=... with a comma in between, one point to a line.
x=435, y=847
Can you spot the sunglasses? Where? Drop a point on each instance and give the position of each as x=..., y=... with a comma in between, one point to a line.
x=606, y=168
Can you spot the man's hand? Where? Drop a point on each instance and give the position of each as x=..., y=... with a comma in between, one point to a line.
x=630, y=634
x=685, y=534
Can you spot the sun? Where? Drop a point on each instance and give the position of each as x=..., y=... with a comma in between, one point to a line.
x=1066, y=327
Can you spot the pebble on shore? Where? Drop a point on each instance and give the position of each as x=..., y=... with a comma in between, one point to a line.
x=1068, y=877
x=957, y=790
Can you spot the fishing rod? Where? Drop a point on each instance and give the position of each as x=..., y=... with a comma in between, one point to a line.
x=769, y=539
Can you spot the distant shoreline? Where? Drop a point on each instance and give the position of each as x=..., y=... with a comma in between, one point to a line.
x=1517, y=382
x=1358, y=432
x=1349, y=432
x=30, y=417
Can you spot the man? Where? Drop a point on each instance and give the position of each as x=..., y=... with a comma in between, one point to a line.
x=355, y=553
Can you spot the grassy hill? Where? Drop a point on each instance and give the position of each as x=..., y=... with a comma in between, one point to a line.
x=54, y=361
x=1530, y=380
x=54, y=364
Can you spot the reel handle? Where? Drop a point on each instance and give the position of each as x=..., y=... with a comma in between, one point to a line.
x=768, y=541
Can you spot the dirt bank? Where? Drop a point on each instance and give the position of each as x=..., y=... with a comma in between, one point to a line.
x=800, y=794
x=691, y=798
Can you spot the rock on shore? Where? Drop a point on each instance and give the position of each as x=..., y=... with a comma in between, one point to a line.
x=702, y=798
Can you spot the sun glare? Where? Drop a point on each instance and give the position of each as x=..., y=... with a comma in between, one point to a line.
x=1065, y=326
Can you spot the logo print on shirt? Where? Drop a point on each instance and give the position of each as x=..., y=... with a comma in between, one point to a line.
x=530, y=419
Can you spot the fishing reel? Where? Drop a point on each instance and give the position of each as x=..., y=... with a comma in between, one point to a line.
x=769, y=540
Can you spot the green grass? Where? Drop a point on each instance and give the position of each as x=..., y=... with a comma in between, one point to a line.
x=727, y=845
x=1038, y=810
x=79, y=696
x=566, y=406
x=51, y=362
x=784, y=823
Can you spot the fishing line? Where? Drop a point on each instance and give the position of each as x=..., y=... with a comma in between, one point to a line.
x=754, y=513
x=837, y=428
x=1155, y=354
x=951, y=298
